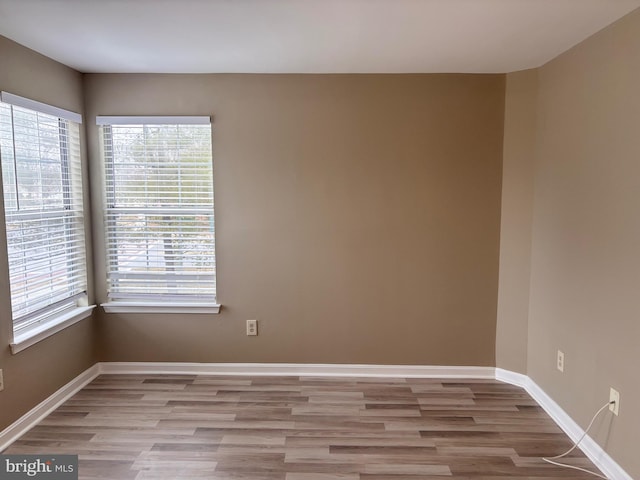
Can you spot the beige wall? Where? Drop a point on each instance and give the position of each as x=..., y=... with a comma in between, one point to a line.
x=515, y=224
x=585, y=270
x=357, y=217
x=35, y=373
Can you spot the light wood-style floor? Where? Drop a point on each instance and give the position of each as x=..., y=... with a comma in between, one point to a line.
x=302, y=428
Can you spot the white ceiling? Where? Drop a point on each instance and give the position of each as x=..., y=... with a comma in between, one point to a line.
x=305, y=36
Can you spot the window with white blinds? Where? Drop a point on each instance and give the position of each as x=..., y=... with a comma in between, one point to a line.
x=42, y=187
x=159, y=209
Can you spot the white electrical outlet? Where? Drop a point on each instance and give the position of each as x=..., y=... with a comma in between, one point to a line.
x=1, y=382
x=614, y=396
x=560, y=361
x=252, y=327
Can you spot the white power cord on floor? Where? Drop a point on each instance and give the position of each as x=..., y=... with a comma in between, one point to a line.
x=551, y=459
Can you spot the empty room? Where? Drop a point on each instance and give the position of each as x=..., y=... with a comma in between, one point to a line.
x=319, y=239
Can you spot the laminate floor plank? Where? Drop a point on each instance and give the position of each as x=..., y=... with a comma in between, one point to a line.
x=217, y=427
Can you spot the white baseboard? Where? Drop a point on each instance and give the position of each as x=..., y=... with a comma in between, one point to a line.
x=44, y=408
x=296, y=369
x=507, y=376
x=591, y=449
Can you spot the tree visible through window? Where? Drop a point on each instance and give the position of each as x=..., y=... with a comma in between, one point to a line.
x=159, y=216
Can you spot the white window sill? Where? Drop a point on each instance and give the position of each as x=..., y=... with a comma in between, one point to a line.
x=147, y=307
x=46, y=329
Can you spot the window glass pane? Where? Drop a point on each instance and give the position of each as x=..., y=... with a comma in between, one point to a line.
x=41, y=174
x=159, y=221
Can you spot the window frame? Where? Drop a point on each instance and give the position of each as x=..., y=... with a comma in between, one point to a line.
x=147, y=303
x=59, y=313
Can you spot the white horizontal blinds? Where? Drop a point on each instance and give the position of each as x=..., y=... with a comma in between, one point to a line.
x=159, y=216
x=42, y=183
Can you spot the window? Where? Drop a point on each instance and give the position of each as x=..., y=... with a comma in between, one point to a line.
x=42, y=186
x=159, y=213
